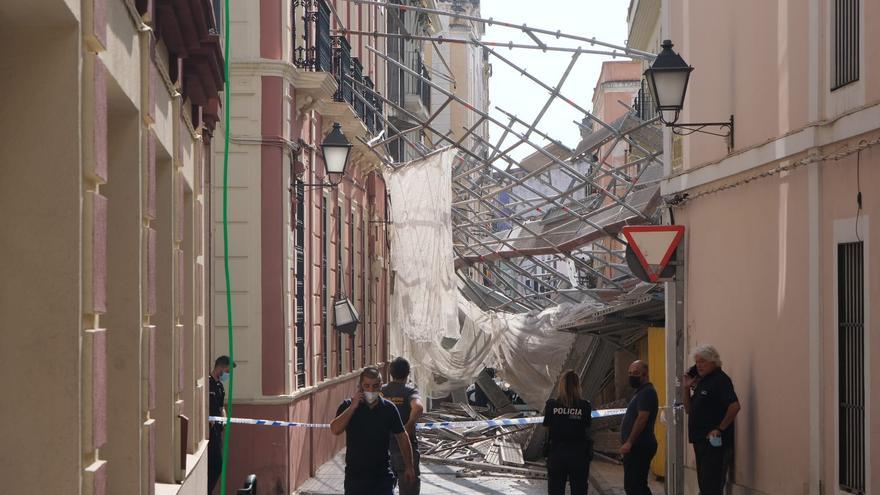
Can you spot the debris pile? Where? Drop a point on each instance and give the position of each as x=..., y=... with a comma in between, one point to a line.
x=493, y=450
x=481, y=449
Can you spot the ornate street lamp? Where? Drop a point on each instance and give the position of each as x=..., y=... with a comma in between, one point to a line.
x=668, y=79
x=336, y=149
x=345, y=317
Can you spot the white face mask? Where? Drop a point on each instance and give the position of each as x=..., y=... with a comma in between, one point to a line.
x=371, y=397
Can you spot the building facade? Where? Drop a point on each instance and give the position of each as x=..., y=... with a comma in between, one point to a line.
x=108, y=116
x=782, y=241
x=297, y=246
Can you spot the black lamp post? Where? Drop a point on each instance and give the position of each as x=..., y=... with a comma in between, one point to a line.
x=336, y=149
x=667, y=79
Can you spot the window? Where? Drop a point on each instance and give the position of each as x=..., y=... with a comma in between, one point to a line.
x=339, y=279
x=851, y=366
x=325, y=241
x=845, y=43
x=351, y=287
x=368, y=324
x=300, y=322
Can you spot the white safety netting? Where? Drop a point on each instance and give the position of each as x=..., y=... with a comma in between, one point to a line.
x=423, y=304
x=448, y=339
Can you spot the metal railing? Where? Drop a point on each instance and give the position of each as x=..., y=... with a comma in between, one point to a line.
x=644, y=105
x=313, y=50
x=342, y=69
x=414, y=85
x=317, y=50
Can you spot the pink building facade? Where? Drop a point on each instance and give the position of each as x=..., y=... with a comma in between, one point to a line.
x=294, y=246
x=782, y=242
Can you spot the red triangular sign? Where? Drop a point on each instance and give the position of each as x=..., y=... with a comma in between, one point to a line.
x=653, y=245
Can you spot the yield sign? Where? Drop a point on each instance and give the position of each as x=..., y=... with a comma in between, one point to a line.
x=653, y=245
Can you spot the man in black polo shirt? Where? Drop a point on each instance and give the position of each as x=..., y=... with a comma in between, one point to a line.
x=368, y=421
x=711, y=408
x=216, y=403
x=637, y=431
x=409, y=405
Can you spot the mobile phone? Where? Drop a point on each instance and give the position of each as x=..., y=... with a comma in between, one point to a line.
x=692, y=372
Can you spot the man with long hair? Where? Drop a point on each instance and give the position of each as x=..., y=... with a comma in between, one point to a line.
x=567, y=418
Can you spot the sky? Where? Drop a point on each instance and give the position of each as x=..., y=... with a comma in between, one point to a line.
x=603, y=19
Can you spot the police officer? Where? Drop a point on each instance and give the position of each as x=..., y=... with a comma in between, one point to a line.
x=409, y=405
x=570, y=447
x=216, y=400
x=638, y=443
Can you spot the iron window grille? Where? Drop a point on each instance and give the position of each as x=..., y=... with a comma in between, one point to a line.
x=299, y=237
x=845, y=43
x=352, y=282
x=338, y=289
x=851, y=366
x=324, y=299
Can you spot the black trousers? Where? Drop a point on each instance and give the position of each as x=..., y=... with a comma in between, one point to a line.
x=568, y=464
x=636, y=465
x=712, y=466
x=215, y=455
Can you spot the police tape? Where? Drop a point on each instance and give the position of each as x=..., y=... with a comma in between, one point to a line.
x=602, y=413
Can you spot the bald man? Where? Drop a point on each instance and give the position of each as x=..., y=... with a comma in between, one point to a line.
x=637, y=431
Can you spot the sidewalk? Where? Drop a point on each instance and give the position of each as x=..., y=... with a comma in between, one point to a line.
x=606, y=478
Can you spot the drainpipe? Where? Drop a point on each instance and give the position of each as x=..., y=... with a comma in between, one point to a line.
x=674, y=325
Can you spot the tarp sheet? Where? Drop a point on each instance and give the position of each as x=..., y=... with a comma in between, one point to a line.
x=448, y=339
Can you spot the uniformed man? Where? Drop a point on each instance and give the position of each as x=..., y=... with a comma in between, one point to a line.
x=570, y=447
x=409, y=405
x=216, y=402
x=638, y=443
x=369, y=422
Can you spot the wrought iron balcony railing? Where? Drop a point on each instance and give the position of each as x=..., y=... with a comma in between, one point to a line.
x=644, y=105
x=313, y=50
x=318, y=51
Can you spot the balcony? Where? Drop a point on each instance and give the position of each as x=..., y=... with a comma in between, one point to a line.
x=644, y=105
x=325, y=62
x=409, y=91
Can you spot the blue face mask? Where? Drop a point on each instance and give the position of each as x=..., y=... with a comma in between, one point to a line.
x=224, y=377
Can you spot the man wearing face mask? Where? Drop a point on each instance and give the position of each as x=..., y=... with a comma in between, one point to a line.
x=369, y=422
x=637, y=431
x=216, y=401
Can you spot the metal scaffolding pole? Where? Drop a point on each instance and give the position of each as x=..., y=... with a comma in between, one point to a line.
x=625, y=51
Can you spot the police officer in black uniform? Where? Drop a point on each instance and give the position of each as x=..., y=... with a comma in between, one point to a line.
x=216, y=401
x=570, y=447
x=638, y=443
x=409, y=405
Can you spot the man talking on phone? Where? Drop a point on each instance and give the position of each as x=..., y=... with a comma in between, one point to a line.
x=369, y=421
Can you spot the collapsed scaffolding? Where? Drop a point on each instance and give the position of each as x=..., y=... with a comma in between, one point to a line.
x=541, y=270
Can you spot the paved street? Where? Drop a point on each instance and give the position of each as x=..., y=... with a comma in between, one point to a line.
x=605, y=479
